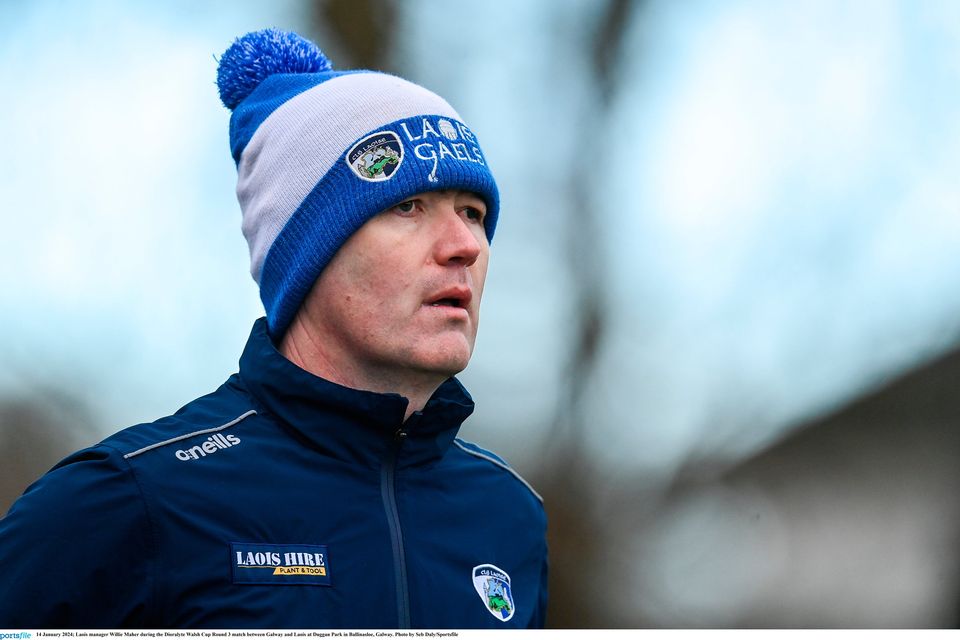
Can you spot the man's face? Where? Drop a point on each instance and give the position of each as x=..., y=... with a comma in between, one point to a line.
x=402, y=295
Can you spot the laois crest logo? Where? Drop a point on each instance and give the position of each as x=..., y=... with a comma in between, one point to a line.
x=377, y=157
x=493, y=587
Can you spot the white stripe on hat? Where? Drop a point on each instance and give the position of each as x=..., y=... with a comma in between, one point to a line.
x=295, y=146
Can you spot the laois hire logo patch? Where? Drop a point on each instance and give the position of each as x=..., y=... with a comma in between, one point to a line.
x=279, y=563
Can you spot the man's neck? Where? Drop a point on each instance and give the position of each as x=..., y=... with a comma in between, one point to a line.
x=312, y=353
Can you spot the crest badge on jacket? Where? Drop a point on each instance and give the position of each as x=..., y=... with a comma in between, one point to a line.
x=493, y=586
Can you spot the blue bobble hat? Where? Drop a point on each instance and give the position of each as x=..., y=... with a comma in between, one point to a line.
x=319, y=152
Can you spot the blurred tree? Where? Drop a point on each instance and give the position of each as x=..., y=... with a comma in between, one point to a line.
x=570, y=487
x=362, y=31
x=35, y=433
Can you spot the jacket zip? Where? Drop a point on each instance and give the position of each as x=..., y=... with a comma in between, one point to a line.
x=389, y=494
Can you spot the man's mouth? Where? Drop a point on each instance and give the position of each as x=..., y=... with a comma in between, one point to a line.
x=454, y=297
x=446, y=302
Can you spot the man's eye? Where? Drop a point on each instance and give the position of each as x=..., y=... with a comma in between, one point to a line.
x=474, y=214
x=405, y=207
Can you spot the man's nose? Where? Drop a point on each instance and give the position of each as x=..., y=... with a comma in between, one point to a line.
x=457, y=241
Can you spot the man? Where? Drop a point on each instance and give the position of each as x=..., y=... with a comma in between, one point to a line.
x=323, y=485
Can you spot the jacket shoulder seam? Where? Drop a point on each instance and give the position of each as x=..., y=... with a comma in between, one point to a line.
x=498, y=463
x=163, y=443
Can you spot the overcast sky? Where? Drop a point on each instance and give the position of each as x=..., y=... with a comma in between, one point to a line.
x=777, y=185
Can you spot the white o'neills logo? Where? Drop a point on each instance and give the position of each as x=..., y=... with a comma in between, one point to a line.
x=377, y=157
x=214, y=443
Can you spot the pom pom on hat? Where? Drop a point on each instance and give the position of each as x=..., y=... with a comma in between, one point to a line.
x=254, y=57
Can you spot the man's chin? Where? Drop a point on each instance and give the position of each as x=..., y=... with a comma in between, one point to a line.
x=447, y=359
x=449, y=368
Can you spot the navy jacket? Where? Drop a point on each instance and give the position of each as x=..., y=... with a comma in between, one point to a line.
x=281, y=500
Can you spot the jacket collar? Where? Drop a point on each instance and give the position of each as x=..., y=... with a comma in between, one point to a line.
x=350, y=424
